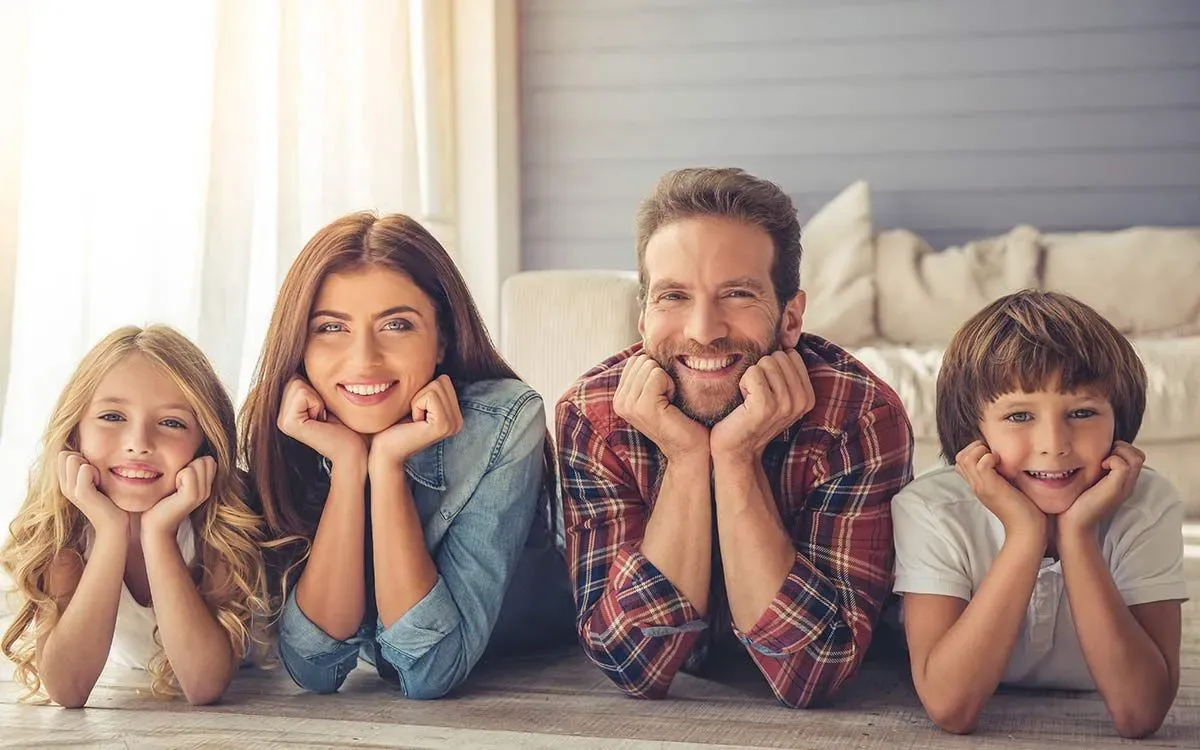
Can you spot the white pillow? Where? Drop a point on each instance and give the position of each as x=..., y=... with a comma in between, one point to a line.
x=837, y=269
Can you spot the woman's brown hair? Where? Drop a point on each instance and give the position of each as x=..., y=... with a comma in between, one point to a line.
x=283, y=471
x=1029, y=341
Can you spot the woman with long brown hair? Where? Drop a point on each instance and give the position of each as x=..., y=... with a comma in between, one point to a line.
x=385, y=432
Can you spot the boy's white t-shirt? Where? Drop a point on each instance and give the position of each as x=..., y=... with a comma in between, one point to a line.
x=946, y=541
x=133, y=638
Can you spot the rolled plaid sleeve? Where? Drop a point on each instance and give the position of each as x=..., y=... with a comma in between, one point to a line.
x=812, y=637
x=633, y=623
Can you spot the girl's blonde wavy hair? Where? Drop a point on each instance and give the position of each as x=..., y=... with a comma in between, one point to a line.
x=229, y=571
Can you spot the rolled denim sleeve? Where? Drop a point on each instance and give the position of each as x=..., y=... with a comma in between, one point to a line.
x=434, y=645
x=315, y=660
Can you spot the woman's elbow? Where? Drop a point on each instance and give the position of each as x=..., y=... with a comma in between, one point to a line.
x=428, y=687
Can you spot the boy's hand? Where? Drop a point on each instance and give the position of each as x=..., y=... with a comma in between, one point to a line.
x=1123, y=465
x=977, y=464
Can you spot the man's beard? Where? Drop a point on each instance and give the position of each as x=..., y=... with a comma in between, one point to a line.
x=748, y=353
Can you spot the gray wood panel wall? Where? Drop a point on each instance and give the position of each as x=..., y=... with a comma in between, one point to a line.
x=966, y=116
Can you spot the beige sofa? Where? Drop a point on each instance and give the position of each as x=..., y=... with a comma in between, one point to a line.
x=893, y=301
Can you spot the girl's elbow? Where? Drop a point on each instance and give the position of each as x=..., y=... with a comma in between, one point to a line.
x=68, y=699
x=1136, y=724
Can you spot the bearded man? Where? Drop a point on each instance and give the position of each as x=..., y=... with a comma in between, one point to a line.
x=726, y=482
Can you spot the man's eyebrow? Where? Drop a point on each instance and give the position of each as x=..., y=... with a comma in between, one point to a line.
x=667, y=284
x=745, y=282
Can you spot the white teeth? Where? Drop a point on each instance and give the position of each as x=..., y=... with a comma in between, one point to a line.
x=1050, y=474
x=367, y=390
x=707, y=365
x=135, y=473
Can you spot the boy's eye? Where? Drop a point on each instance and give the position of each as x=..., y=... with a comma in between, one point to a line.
x=1082, y=413
x=1019, y=417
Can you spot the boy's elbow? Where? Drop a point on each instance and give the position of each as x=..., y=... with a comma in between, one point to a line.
x=954, y=718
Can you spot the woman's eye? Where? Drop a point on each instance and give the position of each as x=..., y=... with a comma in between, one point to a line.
x=330, y=328
x=398, y=324
x=1019, y=417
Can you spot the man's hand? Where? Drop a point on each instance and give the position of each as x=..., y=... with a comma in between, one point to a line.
x=643, y=399
x=777, y=393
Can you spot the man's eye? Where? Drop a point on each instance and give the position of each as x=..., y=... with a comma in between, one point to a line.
x=670, y=297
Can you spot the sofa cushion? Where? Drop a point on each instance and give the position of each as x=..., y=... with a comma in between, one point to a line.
x=837, y=269
x=925, y=295
x=1172, y=408
x=1145, y=280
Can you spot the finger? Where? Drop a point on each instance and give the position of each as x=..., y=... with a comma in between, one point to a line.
x=780, y=395
x=754, y=388
x=61, y=468
x=800, y=370
x=659, y=387
x=86, y=480
x=628, y=373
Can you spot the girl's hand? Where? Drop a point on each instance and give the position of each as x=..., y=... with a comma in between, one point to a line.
x=435, y=416
x=303, y=416
x=193, y=485
x=80, y=482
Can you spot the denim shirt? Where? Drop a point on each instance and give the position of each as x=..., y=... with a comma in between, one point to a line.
x=477, y=494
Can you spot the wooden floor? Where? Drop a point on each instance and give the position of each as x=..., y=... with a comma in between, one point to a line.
x=560, y=701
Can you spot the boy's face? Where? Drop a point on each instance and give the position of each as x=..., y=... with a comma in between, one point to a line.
x=1049, y=444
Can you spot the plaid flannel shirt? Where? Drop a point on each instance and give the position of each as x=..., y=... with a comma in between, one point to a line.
x=833, y=475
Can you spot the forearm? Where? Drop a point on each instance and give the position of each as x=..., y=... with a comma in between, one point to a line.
x=678, y=538
x=1130, y=671
x=331, y=591
x=404, y=571
x=756, y=551
x=196, y=645
x=963, y=669
x=73, y=655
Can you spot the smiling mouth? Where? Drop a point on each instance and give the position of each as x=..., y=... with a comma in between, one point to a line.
x=1052, y=475
x=708, y=364
x=367, y=389
x=137, y=475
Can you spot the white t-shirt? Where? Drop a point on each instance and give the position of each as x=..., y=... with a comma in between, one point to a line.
x=133, y=638
x=947, y=540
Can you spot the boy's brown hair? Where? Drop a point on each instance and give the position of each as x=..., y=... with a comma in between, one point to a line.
x=1033, y=340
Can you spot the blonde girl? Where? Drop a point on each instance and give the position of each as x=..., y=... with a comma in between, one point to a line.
x=135, y=544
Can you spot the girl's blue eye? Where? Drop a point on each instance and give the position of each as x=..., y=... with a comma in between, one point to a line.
x=173, y=423
x=112, y=417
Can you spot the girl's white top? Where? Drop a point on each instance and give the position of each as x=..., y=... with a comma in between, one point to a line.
x=133, y=639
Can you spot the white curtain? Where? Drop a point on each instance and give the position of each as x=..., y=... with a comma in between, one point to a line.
x=165, y=161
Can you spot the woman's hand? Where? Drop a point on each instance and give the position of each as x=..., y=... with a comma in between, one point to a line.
x=435, y=416
x=303, y=416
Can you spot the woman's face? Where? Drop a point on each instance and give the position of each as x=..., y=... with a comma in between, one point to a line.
x=372, y=344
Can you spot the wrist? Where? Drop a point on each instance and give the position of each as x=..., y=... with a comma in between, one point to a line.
x=154, y=537
x=1072, y=535
x=1029, y=535
x=743, y=455
x=695, y=456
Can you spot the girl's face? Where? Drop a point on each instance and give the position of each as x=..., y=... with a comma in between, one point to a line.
x=1050, y=444
x=138, y=431
x=372, y=344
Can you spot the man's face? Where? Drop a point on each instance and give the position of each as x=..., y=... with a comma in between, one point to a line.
x=711, y=310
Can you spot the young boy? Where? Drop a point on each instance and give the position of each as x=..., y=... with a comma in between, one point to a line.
x=1047, y=556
